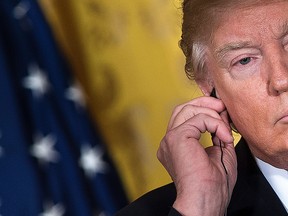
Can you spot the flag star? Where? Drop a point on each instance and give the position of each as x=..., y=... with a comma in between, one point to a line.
x=36, y=81
x=75, y=94
x=53, y=210
x=91, y=160
x=21, y=9
x=43, y=150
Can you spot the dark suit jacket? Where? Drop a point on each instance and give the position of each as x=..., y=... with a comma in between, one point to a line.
x=252, y=195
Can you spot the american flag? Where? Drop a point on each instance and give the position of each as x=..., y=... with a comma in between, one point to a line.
x=52, y=161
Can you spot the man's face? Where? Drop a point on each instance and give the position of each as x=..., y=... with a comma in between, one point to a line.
x=248, y=63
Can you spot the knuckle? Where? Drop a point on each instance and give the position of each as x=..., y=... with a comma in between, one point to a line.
x=159, y=154
x=170, y=137
x=177, y=109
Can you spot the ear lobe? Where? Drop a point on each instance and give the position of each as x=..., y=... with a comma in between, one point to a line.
x=205, y=86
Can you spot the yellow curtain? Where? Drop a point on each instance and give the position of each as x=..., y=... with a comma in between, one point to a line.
x=125, y=53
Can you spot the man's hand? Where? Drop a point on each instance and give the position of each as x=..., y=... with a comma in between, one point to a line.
x=198, y=173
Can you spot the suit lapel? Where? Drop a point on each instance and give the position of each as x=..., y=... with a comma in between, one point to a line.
x=252, y=194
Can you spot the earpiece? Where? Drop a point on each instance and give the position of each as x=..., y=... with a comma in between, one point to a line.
x=213, y=93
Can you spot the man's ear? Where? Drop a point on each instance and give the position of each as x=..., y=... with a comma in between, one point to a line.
x=206, y=86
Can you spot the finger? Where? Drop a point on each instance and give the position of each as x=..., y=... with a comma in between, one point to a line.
x=204, y=101
x=229, y=160
x=189, y=111
x=225, y=117
x=212, y=125
x=200, y=123
x=180, y=142
x=183, y=136
x=201, y=102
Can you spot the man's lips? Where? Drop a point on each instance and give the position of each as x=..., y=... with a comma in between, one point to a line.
x=283, y=118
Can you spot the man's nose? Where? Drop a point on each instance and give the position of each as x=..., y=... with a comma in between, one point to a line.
x=278, y=73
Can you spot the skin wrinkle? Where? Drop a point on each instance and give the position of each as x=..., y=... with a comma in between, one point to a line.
x=199, y=67
x=266, y=36
x=221, y=52
x=254, y=93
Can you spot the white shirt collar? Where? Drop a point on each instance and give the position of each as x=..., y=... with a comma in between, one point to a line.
x=277, y=178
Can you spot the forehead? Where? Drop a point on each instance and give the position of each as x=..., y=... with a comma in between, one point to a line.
x=248, y=24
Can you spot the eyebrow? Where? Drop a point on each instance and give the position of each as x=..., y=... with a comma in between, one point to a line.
x=223, y=50
x=226, y=48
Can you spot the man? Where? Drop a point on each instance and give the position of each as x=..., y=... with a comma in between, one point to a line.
x=239, y=49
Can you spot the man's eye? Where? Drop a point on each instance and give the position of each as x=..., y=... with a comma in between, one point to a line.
x=245, y=61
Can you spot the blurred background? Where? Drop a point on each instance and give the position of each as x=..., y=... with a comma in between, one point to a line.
x=87, y=90
x=126, y=56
